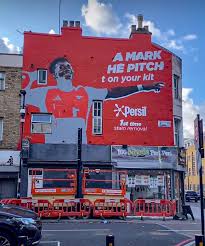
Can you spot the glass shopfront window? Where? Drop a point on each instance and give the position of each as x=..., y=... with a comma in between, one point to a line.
x=148, y=185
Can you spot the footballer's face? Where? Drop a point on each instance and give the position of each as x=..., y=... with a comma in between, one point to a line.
x=63, y=70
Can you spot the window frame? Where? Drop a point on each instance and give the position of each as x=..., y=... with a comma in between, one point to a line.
x=38, y=76
x=96, y=118
x=176, y=86
x=3, y=81
x=177, y=131
x=2, y=128
x=41, y=122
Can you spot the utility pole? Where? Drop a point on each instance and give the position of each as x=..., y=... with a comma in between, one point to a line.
x=22, y=114
x=79, y=165
x=199, y=145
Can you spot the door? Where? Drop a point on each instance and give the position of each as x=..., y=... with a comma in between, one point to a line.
x=8, y=188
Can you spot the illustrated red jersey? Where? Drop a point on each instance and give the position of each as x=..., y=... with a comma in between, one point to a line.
x=67, y=104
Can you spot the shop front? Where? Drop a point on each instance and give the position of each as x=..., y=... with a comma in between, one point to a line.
x=9, y=168
x=152, y=172
x=51, y=169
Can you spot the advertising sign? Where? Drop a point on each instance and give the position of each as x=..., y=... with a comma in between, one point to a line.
x=145, y=180
x=9, y=158
x=146, y=154
x=132, y=78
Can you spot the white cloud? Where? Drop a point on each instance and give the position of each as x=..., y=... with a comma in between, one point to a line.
x=100, y=17
x=167, y=39
x=170, y=32
x=190, y=110
x=174, y=44
x=7, y=47
x=190, y=37
x=52, y=32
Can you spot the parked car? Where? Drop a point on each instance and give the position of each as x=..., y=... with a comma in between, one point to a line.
x=191, y=195
x=199, y=195
x=18, y=224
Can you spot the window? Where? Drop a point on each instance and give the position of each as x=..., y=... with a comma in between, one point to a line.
x=176, y=86
x=41, y=123
x=2, y=81
x=97, y=117
x=176, y=131
x=42, y=76
x=189, y=171
x=1, y=129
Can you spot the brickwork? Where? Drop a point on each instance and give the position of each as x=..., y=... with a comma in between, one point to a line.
x=10, y=107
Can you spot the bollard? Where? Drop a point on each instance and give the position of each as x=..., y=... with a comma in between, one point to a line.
x=110, y=240
x=199, y=240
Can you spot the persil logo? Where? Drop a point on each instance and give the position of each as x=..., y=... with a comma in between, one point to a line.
x=127, y=111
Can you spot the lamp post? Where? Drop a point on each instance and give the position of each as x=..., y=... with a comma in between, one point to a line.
x=79, y=165
x=22, y=120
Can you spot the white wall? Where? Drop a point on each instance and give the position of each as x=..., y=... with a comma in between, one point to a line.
x=11, y=60
x=177, y=103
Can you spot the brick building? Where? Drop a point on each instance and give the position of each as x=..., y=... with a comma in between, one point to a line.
x=120, y=91
x=192, y=173
x=10, y=85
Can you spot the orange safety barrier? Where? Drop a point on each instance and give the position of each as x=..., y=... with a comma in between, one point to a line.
x=4, y=201
x=43, y=208
x=159, y=208
x=112, y=208
x=104, y=182
x=72, y=208
x=107, y=208
x=23, y=202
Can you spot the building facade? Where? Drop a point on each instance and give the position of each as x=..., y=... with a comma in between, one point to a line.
x=192, y=174
x=123, y=92
x=10, y=85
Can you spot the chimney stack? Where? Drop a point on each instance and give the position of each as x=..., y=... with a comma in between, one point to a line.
x=146, y=28
x=140, y=21
x=140, y=28
x=71, y=23
x=65, y=23
x=77, y=23
x=133, y=28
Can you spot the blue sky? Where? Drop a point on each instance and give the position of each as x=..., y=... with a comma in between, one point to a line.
x=175, y=24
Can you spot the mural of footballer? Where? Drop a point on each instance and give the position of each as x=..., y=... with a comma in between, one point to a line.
x=69, y=105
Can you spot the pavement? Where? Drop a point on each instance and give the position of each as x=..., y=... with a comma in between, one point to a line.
x=132, y=232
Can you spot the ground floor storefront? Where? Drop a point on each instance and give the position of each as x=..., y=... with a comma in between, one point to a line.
x=155, y=185
x=52, y=169
x=142, y=172
x=152, y=172
x=9, y=169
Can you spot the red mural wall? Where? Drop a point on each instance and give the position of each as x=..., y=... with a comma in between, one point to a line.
x=132, y=77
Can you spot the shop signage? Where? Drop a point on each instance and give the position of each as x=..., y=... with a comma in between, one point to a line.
x=142, y=180
x=9, y=158
x=133, y=153
x=145, y=180
x=182, y=156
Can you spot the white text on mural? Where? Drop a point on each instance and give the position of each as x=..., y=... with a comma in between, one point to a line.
x=142, y=64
